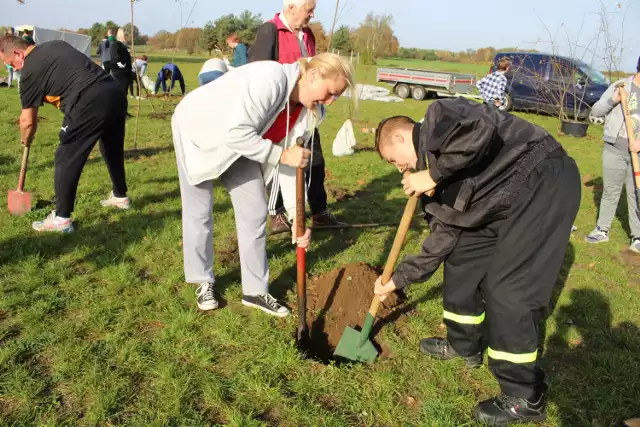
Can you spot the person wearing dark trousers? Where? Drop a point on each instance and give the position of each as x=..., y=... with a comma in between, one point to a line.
x=121, y=58
x=501, y=195
x=104, y=52
x=169, y=72
x=133, y=81
x=139, y=70
x=94, y=107
x=286, y=38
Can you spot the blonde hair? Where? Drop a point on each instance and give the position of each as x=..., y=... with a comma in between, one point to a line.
x=331, y=66
x=120, y=36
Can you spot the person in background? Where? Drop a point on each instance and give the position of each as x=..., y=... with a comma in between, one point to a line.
x=10, y=70
x=94, y=109
x=240, y=56
x=140, y=65
x=493, y=88
x=236, y=131
x=121, y=58
x=211, y=70
x=169, y=72
x=104, y=52
x=617, y=170
x=27, y=35
x=285, y=39
x=138, y=71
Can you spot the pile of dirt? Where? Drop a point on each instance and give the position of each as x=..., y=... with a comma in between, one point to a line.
x=339, y=299
x=341, y=194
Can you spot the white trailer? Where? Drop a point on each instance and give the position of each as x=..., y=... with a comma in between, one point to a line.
x=42, y=35
x=420, y=84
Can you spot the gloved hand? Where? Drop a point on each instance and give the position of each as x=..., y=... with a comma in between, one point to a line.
x=120, y=65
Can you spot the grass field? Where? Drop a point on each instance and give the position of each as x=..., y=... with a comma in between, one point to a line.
x=98, y=327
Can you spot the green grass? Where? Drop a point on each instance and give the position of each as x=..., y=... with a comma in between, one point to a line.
x=98, y=327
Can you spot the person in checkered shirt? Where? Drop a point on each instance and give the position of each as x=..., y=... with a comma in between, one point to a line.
x=493, y=87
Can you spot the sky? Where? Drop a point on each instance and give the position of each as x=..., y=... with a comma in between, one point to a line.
x=448, y=25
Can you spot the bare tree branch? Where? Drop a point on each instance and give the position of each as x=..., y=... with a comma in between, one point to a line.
x=333, y=25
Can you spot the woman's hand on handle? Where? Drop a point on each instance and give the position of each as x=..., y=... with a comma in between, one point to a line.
x=296, y=157
x=303, y=241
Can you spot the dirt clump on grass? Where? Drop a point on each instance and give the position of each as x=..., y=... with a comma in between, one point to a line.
x=632, y=261
x=338, y=299
x=161, y=116
x=342, y=194
x=229, y=253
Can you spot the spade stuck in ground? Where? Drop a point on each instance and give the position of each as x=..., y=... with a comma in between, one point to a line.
x=355, y=345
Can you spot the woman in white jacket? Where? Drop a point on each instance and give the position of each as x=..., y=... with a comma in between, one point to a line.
x=241, y=128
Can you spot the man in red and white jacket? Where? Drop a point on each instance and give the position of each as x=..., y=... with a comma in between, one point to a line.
x=287, y=38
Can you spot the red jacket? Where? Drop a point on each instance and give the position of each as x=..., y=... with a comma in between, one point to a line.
x=275, y=42
x=288, y=45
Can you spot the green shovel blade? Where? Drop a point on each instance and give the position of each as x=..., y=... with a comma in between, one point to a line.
x=354, y=345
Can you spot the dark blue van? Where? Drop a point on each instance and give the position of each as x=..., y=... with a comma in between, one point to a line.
x=539, y=82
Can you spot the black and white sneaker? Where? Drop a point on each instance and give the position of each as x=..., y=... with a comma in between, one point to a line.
x=266, y=303
x=206, y=294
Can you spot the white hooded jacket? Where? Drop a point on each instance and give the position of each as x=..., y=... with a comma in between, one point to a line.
x=225, y=119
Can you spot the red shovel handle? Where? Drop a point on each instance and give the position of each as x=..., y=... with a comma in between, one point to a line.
x=23, y=168
x=301, y=254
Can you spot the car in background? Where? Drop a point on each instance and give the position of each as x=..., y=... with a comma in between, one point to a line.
x=539, y=82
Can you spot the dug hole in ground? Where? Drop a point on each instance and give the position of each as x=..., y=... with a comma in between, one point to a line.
x=341, y=298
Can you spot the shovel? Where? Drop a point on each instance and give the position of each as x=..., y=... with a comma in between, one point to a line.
x=301, y=253
x=624, y=100
x=19, y=202
x=355, y=345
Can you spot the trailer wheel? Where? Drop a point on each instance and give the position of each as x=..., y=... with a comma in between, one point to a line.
x=403, y=91
x=508, y=105
x=418, y=93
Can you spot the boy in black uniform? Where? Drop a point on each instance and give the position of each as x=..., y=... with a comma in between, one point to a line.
x=501, y=196
x=94, y=109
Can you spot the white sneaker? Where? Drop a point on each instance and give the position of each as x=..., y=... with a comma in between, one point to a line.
x=598, y=235
x=53, y=223
x=118, y=202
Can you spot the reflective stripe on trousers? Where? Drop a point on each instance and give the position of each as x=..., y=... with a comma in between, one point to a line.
x=513, y=357
x=463, y=319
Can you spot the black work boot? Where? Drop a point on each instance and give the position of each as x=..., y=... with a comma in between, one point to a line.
x=504, y=410
x=325, y=218
x=442, y=349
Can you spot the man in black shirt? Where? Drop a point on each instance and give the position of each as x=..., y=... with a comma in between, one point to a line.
x=94, y=109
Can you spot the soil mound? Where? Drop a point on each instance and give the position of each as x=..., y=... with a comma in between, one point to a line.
x=338, y=299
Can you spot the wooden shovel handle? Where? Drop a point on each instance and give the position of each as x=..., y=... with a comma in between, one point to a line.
x=23, y=168
x=624, y=100
x=401, y=234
